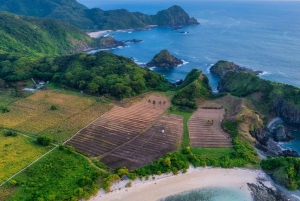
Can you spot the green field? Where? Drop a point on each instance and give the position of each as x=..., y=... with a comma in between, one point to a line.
x=212, y=152
x=16, y=153
x=32, y=115
x=60, y=175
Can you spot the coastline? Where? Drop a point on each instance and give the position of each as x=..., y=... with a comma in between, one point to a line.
x=100, y=33
x=196, y=178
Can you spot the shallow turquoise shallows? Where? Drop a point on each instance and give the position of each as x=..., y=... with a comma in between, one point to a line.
x=210, y=194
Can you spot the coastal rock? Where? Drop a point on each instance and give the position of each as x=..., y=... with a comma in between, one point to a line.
x=222, y=67
x=164, y=59
x=287, y=111
x=133, y=41
x=272, y=149
x=110, y=42
x=261, y=192
x=280, y=134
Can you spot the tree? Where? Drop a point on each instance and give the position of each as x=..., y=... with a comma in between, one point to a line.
x=44, y=140
x=2, y=84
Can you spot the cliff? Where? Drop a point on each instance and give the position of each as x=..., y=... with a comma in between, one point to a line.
x=273, y=99
x=222, y=67
x=74, y=13
x=164, y=59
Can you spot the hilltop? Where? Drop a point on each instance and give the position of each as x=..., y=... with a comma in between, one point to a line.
x=74, y=13
x=36, y=36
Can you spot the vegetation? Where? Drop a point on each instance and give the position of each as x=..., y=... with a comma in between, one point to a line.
x=72, y=12
x=75, y=112
x=16, y=153
x=11, y=133
x=39, y=37
x=100, y=73
x=44, y=140
x=284, y=170
x=64, y=175
x=53, y=107
x=4, y=108
x=195, y=86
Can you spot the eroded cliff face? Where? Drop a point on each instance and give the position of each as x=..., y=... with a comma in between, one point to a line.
x=287, y=111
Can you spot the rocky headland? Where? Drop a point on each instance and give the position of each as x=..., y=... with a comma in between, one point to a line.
x=222, y=67
x=164, y=60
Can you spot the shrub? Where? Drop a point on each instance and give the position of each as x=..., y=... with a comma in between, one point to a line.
x=128, y=184
x=44, y=140
x=12, y=182
x=4, y=108
x=53, y=107
x=11, y=133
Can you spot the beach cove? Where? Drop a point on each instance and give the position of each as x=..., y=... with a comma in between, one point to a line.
x=233, y=181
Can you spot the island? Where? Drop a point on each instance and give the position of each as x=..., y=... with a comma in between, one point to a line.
x=164, y=60
x=222, y=67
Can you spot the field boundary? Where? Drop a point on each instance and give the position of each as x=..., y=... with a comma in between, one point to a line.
x=28, y=166
x=84, y=128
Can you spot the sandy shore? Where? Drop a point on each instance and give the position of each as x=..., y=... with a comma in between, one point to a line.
x=165, y=185
x=97, y=34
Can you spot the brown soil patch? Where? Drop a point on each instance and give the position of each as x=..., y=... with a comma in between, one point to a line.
x=205, y=129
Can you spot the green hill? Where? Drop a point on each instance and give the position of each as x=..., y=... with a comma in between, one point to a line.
x=99, y=73
x=74, y=13
x=195, y=86
x=36, y=36
x=271, y=98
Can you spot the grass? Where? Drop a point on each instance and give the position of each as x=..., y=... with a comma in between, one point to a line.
x=212, y=152
x=61, y=175
x=33, y=116
x=186, y=116
x=16, y=153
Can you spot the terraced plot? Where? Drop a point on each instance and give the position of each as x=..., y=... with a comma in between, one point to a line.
x=205, y=129
x=161, y=138
x=115, y=128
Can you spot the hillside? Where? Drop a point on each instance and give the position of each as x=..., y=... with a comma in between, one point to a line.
x=195, y=86
x=72, y=12
x=100, y=73
x=271, y=98
x=36, y=36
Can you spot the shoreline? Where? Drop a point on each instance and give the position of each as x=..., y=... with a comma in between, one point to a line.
x=97, y=34
x=168, y=184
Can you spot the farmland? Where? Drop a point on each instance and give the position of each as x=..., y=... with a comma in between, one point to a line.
x=205, y=128
x=135, y=132
x=32, y=115
x=16, y=153
x=150, y=145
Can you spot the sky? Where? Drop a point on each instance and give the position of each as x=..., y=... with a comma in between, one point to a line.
x=98, y=3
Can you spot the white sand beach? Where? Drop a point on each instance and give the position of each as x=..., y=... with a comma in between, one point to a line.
x=97, y=34
x=166, y=185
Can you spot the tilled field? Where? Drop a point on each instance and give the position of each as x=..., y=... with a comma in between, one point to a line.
x=161, y=138
x=113, y=129
x=205, y=129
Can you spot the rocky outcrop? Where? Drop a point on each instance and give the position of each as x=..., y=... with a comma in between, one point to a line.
x=280, y=135
x=133, y=41
x=110, y=42
x=222, y=67
x=287, y=111
x=164, y=59
x=261, y=192
x=173, y=16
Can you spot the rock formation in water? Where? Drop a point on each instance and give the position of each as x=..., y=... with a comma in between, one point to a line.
x=164, y=59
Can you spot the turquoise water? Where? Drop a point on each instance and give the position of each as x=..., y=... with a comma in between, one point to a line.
x=210, y=194
x=295, y=144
